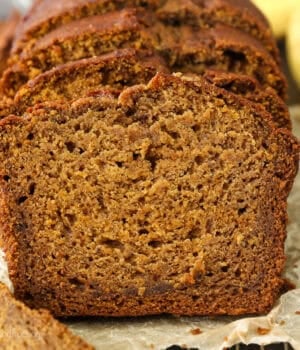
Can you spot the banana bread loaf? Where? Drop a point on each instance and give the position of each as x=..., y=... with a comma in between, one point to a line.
x=170, y=198
x=25, y=329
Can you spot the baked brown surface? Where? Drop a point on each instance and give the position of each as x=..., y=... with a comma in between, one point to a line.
x=170, y=198
x=25, y=329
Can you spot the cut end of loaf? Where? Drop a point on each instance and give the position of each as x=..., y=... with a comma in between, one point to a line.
x=165, y=198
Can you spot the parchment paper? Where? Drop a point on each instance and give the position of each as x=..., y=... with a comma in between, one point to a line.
x=281, y=325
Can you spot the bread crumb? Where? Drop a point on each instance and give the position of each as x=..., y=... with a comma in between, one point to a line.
x=196, y=331
x=297, y=312
x=263, y=331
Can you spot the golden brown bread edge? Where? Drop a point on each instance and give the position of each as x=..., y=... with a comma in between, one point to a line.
x=25, y=329
x=161, y=299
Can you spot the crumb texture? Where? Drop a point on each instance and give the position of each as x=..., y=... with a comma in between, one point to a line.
x=162, y=197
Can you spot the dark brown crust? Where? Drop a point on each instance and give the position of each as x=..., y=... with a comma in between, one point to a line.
x=113, y=22
x=239, y=14
x=163, y=300
x=33, y=329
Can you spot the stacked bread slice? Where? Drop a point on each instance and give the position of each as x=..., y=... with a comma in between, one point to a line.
x=146, y=159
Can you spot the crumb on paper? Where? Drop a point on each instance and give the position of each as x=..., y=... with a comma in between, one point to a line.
x=226, y=339
x=263, y=331
x=282, y=322
x=297, y=312
x=196, y=331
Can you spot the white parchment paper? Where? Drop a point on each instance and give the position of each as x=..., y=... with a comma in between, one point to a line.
x=281, y=325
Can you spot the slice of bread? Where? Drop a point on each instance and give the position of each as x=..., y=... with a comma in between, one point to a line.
x=170, y=198
x=228, y=49
x=241, y=14
x=85, y=38
x=25, y=329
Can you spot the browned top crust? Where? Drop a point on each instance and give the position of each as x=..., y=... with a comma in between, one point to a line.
x=25, y=329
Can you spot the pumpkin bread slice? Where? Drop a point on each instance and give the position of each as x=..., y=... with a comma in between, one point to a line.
x=170, y=198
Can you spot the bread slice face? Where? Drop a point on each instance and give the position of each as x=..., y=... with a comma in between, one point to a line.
x=24, y=329
x=170, y=199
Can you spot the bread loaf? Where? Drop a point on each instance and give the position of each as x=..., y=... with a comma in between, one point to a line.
x=145, y=159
